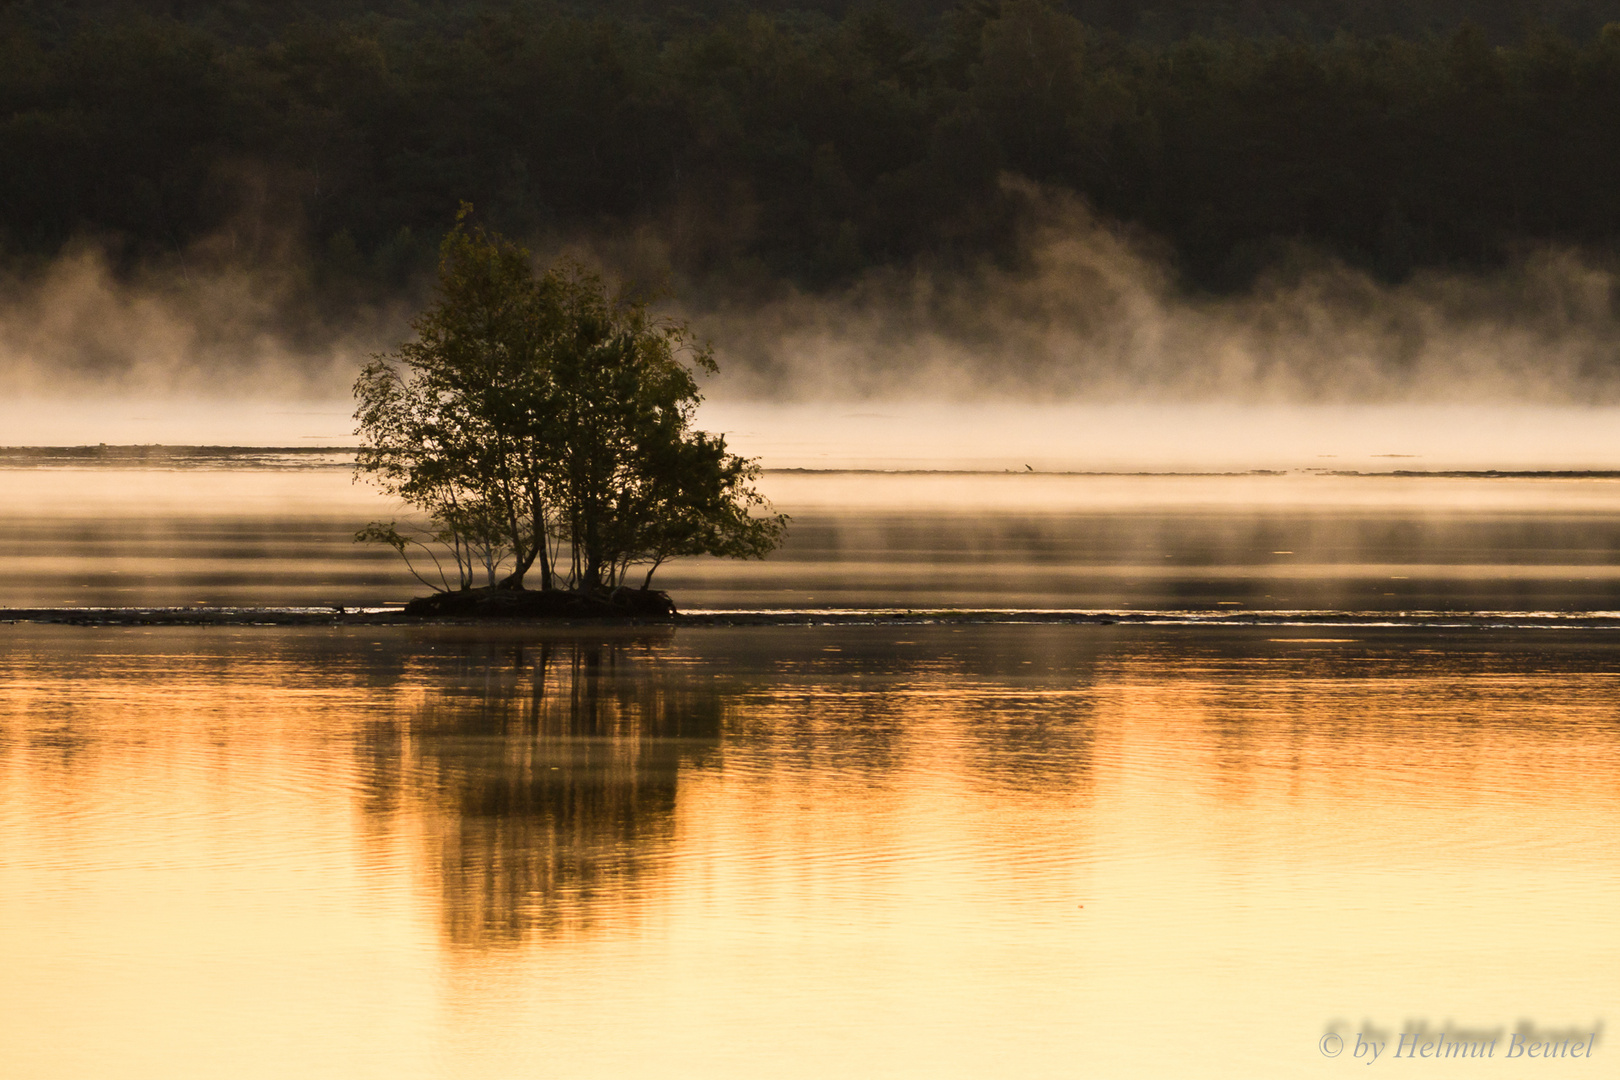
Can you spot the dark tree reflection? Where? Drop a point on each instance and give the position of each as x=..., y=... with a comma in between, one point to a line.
x=546, y=775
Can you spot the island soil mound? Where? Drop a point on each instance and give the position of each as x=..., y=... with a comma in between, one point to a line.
x=543, y=604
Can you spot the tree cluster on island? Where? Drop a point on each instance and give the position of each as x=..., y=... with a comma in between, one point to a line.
x=545, y=428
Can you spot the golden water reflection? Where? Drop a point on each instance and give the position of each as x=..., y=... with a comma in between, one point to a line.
x=545, y=778
x=795, y=851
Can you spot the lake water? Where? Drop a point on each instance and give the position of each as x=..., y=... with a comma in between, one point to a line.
x=946, y=849
x=247, y=529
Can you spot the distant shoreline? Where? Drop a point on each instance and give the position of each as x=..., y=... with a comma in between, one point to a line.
x=394, y=616
x=341, y=457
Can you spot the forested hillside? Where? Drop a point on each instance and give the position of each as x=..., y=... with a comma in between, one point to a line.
x=811, y=141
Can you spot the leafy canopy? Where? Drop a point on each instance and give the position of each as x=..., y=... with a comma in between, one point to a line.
x=541, y=422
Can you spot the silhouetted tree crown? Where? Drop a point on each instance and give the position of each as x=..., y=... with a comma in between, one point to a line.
x=541, y=423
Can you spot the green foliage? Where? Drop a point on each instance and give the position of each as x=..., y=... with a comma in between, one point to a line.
x=536, y=411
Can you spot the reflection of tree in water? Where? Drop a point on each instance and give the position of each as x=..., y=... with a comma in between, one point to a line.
x=550, y=773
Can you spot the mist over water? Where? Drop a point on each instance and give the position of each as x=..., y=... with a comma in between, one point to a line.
x=1175, y=437
x=1082, y=313
x=1089, y=310
x=995, y=436
x=1077, y=354
x=206, y=324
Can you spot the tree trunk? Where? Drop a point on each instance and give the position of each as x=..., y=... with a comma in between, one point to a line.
x=542, y=544
x=514, y=580
x=647, y=581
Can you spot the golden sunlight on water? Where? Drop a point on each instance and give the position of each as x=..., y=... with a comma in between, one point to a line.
x=865, y=851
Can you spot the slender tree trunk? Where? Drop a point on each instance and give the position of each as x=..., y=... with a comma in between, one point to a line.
x=514, y=580
x=647, y=581
x=540, y=542
x=593, y=558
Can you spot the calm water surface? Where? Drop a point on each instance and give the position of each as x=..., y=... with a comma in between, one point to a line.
x=1065, y=851
x=247, y=530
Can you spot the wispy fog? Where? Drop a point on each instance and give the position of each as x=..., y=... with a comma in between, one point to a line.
x=1088, y=311
x=200, y=324
x=1080, y=350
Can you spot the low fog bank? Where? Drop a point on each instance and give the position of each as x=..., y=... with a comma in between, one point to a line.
x=1078, y=351
x=203, y=323
x=1087, y=310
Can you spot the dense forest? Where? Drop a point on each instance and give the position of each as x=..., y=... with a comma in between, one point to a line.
x=811, y=140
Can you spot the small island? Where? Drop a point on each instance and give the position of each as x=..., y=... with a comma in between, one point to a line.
x=544, y=428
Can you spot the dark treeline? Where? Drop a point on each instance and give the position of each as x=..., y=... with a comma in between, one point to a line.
x=773, y=142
